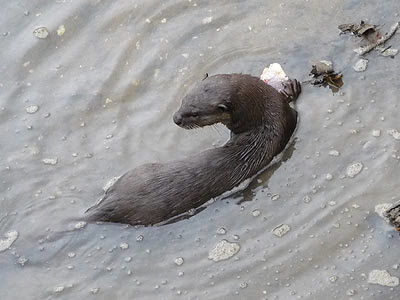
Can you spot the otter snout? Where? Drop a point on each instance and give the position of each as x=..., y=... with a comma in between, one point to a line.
x=178, y=118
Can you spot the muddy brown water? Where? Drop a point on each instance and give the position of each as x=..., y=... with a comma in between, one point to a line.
x=101, y=96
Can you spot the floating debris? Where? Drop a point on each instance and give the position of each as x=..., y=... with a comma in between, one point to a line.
x=274, y=76
x=60, y=30
x=351, y=292
x=381, y=40
x=207, y=20
x=388, y=52
x=333, y=278
x=80, y=225
x=32, y=109
x=10, y=238
x=275, y=197
x=124, y=246
x=223, y=250
x=381, y=209
x=324, y=75
x=382, y=277
x=392, y=215
x=362, y=29
x=41, y=32
x=221, y=231
x=376, y=133
x=281, y=230
x=361, y=65
x=334, y=153
x=179, y=261
x=23, y=260
x=59, y=289
x=50, y=161
x=256, y=213
x=354, y=169
x=394, y=133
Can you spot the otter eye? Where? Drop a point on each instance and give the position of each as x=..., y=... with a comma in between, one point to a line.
x=222, y=107
x=194, y=115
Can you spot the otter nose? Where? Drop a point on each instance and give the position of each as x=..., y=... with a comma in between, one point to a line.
x=178, y=119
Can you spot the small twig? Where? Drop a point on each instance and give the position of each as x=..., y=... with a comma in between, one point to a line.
x=384, y=49
x=364, y=50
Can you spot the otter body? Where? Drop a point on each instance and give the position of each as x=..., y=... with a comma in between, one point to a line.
x=261, y=123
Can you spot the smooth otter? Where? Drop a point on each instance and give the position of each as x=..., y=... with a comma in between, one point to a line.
x=261, y=123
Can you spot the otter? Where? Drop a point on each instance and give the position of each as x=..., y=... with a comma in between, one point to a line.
x=261, y=122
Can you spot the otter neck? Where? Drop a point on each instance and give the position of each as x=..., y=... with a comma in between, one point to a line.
x=249, y=109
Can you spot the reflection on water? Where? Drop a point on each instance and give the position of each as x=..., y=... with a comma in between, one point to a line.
x=96, y=98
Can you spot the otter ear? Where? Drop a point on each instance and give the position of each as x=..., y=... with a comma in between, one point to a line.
x=205, y=76
x=222, y=107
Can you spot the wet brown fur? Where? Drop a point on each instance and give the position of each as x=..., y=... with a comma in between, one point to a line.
x=261, y=123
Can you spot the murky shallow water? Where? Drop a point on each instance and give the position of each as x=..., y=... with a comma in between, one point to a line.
x=106, y=90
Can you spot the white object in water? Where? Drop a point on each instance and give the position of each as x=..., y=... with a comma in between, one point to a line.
x=274, y=76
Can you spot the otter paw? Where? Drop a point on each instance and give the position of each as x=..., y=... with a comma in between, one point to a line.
x=291, y=90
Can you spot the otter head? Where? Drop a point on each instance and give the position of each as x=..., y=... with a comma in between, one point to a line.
x=206, y=104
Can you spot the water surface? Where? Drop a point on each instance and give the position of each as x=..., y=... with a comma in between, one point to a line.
x=106, y=90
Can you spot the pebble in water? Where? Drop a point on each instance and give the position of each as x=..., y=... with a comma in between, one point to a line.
x=10, y=238
x=50, y=161
x=354, y=169
x=281, y=230
x=223, y=250
x=41, y=32
x=32, y=109
x=256, y=213
x=394, y=133
x=382, y=277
